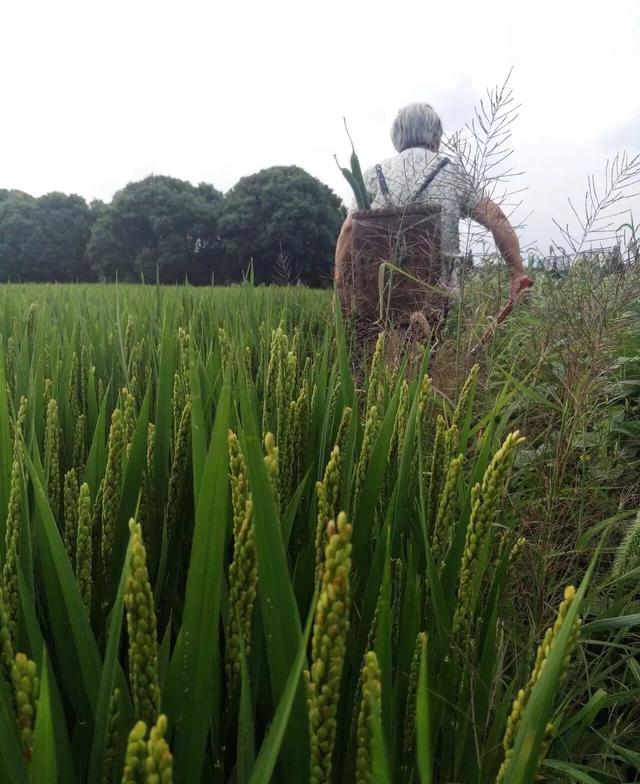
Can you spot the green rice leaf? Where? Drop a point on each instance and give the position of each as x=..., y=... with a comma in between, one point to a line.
x=277, y=602
x=163, y=413
x=193, y=684
x=107, y=682
x=270, y=749
x=12, y=768
x=76, y=652
x=246, y=751
x=131, y=487
x=575, y=772
x=44, y=768
x=423, y=722
x=524, y=762
x=5, y=453
x=97, y=459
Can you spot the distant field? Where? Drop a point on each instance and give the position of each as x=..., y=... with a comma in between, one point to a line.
x=231, y=554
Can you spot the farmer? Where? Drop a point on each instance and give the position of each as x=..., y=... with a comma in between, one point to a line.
x=420, y=177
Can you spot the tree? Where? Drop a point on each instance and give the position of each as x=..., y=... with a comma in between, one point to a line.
x=65, y=222
x=280, y=213
x=45, y=238
x=20, y=235
x=157, y=223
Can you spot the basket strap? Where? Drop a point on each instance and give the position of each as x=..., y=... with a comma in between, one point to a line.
x=430, y=178
x=382, y=183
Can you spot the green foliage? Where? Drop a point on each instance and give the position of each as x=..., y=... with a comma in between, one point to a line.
x=46, y=238
x=424, y=624
x=628, y=555
x=157, y=223
x=281, y=219
x=353, y=175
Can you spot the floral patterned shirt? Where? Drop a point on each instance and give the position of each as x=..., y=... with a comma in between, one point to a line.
x=451, y=189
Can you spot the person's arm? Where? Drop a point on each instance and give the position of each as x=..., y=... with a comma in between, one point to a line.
x=488, y=214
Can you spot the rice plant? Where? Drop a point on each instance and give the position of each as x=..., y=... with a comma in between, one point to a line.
x=226, y=558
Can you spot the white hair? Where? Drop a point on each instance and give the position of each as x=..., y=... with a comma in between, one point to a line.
x=416, y=125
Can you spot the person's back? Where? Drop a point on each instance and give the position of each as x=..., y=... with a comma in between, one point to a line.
x=400, y=182
x=418, y=176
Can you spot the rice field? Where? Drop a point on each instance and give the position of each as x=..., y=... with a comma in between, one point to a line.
x=231, y=554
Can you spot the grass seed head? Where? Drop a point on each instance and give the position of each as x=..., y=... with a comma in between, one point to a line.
x=112, y=487
x=136, y=755
x=10, y=579
x=71, y=496
x=371, y=429
x=52, y=457
x=628, y=552
x=179, y=465
x=112, y=741
x=412, y=693
x=79, y=445
x=159, y=762
x=445, y=518
x=25, y=692
x=243, y=571
x=327, y=492
x=370, y=713
x=485, y=502
x=328, y=647
x=376, y=387
x=141, y=625
x=466, y=393
x=84, y=551
x=523, y=695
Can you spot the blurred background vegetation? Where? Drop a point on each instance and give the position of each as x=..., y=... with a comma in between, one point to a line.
x=281, y=219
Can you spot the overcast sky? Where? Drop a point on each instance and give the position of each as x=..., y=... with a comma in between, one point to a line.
x=95, y=95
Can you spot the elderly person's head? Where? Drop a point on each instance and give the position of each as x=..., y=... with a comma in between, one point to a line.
x=416, y=125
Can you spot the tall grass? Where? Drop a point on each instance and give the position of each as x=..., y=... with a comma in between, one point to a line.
x=225, y=561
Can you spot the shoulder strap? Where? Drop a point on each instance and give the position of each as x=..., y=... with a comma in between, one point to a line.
x=382, y=183
x=430, y=178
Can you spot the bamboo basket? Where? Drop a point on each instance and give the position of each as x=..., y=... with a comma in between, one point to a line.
x=389, y=275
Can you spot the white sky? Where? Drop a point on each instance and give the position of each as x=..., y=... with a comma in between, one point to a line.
x=95, y=95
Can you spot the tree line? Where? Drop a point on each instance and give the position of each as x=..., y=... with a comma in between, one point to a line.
x=281, y=222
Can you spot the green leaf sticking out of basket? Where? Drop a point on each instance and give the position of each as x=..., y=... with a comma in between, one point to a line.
x=354, y=177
